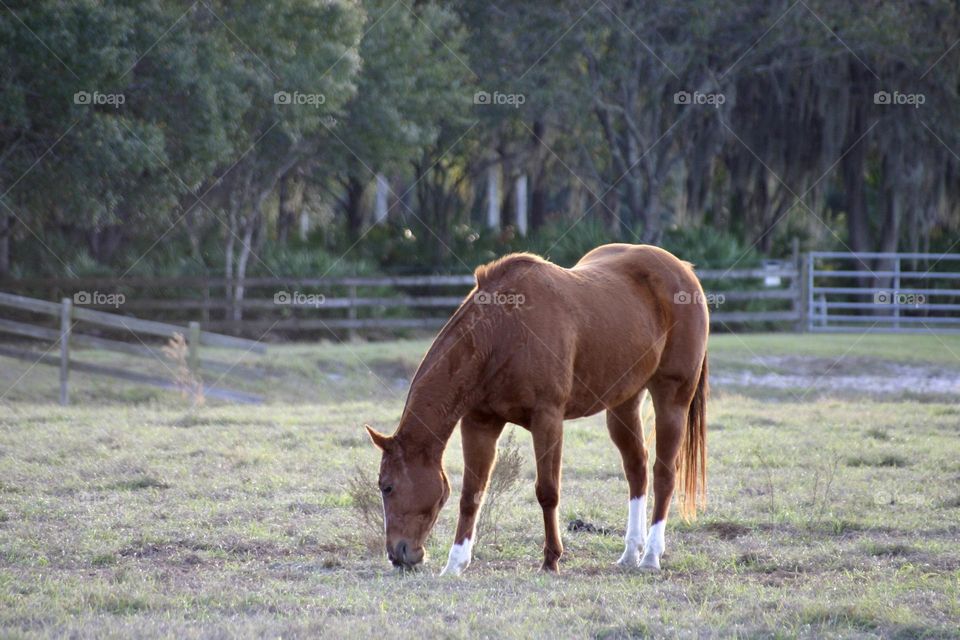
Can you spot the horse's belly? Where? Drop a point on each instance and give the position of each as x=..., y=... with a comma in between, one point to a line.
x=613, y=386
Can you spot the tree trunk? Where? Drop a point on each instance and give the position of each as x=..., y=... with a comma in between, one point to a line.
x=6, y=230
x=639, y=206
x=354, y=207
x=853, y=168
x=243, y=259
x=652, y=227
x=508, y=200
x=193, y=235
x=538, y=187
x=230, y=250
x=292, y=187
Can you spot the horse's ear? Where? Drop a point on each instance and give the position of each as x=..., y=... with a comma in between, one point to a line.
x=381, y=441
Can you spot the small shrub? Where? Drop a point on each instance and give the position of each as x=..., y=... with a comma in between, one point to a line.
x=367, y=504
x=104, y=560
x=139, y=483
x=878, y=549
x=503, y=484
x=187, y=380
x=886, y=460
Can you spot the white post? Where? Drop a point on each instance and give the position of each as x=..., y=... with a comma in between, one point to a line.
x=304, y=225
x=522, y=205
x=380, y=205
x=493, y=197
x=896, y=293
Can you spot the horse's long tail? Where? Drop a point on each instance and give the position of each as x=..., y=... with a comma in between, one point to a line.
x=693, y=455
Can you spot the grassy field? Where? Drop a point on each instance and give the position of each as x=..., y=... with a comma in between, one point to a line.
x=834, y=510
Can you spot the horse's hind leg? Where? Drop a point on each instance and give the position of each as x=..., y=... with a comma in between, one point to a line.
x=547, y=430
x=626, y=431
x=671, y=402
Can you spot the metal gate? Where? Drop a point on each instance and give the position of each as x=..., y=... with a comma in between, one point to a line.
x=892, y=292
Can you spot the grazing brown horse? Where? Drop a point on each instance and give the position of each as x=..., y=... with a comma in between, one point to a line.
x=536, y=344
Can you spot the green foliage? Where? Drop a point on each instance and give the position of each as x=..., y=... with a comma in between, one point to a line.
x=710, y=248
x=565, y=243
x=409, y=84
x=147, y=137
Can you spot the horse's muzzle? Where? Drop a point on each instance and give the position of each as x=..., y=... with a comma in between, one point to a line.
x=403, y=556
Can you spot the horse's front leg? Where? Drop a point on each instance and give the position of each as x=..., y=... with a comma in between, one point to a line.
x=547, y=431
x=479, y=436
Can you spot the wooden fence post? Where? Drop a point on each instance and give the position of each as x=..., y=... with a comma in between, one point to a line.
x=352, y=313
x=206, y=300
x=193, y=342
x=66, y=312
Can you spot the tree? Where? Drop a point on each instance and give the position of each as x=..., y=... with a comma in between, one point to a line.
x=410, y=84
x=297, y=66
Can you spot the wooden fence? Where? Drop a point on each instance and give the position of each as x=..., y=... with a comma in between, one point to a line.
x=768, y=297
x=70, y=315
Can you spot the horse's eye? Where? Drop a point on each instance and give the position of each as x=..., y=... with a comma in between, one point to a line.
x=386, y=490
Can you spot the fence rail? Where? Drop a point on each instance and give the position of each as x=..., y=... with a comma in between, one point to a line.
x=821, y=291
x=354, y=304
x=66, y=336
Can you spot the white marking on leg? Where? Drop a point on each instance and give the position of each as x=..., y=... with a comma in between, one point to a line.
x=636, y=526
x=655, y=547
x=459, y=558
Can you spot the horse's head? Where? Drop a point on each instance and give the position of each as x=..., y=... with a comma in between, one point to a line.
x=414, y=489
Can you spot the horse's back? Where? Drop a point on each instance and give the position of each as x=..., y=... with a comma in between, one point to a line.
x=639, y=261
x=608, y=322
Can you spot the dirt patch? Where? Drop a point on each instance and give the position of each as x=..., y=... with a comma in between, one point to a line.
x=580, y=526
x=138, y=484
x=727, y=530
x=307, y=508
x=851, y=374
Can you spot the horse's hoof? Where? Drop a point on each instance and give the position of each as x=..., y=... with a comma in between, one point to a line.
x=550, y=568
x=454, y=569
x=649, y=563
x=629, y=561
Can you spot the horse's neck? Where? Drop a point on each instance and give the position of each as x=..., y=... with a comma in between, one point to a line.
x=442, y=389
